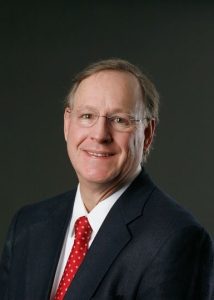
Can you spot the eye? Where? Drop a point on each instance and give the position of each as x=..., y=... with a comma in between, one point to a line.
x=120, y=120
x=86, y=116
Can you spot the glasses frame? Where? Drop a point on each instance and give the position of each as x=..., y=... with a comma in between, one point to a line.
x=132, y=120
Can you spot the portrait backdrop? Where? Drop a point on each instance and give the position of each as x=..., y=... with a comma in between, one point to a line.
x=44, y=44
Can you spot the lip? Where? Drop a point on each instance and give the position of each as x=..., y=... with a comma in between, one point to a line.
x=98, y=154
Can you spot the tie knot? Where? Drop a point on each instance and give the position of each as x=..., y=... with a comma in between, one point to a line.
x=82, y=229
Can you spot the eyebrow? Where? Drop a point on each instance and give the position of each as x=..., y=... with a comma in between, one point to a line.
x=86, y=107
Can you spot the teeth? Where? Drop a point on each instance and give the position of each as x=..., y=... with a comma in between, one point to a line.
x=99, y=154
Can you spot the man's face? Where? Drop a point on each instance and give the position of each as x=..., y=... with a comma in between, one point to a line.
x=100, y=154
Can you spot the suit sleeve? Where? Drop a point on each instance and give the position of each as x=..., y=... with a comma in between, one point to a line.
x=6, y=262
x=182, y=269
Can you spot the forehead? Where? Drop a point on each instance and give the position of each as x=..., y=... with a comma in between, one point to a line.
x=109, y=88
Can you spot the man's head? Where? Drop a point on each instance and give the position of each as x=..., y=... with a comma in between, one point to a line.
x=150, y=96
x=110, y=117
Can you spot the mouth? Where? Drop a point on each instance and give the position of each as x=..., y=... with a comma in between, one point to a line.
x=99, y=154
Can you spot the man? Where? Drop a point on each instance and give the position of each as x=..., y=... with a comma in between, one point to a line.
x=138, y=242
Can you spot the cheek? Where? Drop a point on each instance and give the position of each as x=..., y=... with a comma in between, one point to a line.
x=128, y=146
x=75, y=137
x=74, y=140
x=136, y=146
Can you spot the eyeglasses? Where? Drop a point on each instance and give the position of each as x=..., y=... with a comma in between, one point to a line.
x=119, y=121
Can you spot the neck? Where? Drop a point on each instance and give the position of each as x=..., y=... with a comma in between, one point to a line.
x=92, y=193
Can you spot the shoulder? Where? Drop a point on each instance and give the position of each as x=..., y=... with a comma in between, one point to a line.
x=34, y=213
x=170, y=211
x=169, y=218
x=167, y=209
x=160, y=215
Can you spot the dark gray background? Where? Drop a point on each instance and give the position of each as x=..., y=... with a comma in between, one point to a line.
x=43, y=45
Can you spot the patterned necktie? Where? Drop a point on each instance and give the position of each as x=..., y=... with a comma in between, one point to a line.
x=82, y=235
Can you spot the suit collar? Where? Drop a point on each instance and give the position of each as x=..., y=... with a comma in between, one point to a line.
x=135, y=197
x=112, y=237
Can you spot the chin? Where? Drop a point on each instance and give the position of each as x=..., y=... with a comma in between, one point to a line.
x=98, y=177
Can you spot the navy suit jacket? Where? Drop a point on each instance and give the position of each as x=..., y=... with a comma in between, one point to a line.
x=148, y=248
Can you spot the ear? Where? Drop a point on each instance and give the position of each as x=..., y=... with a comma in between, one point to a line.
x=149, y=134
x=67, y=118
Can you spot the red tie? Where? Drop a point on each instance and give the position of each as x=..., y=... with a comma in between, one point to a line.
x=82, y=235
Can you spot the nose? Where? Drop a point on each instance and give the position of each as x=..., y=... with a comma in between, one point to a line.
x=101, y=130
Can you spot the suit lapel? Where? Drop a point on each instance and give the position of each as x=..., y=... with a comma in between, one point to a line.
x=112, y=237
x=45, y=242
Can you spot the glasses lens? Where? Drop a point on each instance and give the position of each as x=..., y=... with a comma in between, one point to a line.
x=120, y=121
x=86, y=118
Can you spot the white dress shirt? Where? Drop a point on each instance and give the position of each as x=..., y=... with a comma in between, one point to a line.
x=95, y=217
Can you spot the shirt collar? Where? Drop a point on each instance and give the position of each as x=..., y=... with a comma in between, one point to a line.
x=98, y=214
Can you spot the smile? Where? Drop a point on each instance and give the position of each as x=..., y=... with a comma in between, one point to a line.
x=95, y=154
